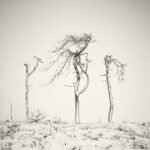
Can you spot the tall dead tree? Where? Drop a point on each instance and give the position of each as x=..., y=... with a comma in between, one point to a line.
x=120, y=72
x=11, y=112
x=72, y=51
x=27, y=86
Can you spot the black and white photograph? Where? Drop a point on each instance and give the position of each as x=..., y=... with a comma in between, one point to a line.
x=75, y=74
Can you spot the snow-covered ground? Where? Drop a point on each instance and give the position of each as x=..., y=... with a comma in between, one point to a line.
x=64, y=136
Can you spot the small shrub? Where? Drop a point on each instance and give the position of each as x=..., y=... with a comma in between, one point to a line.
x=8, y=131
x=37, y=117
x=139, y=145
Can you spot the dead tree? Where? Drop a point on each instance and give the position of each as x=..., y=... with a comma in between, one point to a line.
x=11, y=112
x=71, y=50
x=120, y=72
x=27, y=86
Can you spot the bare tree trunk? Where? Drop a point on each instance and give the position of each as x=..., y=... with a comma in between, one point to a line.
x=77, y=112
x=27, y=86
x=120, y=72
x=112, y=109
x=76, y=91
x=110, y=114
x=11, y=115
x=26, y=98
x=75, y=108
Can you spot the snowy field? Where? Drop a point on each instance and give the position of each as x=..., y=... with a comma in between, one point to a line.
x=55, y=135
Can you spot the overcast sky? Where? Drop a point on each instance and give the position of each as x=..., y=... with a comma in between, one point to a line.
x=33, y=27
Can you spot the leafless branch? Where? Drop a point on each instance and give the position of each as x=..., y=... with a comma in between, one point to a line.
x=27, y=86
x=64, y=51
x=119, y=66
x=120, y=72
x=36, y=64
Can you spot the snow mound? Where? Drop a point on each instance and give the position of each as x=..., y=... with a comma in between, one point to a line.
x=63, y=136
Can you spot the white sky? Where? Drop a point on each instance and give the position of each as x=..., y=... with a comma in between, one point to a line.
x=120, y=28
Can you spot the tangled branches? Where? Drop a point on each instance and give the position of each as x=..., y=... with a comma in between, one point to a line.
x=120, y=67
x=71, y=52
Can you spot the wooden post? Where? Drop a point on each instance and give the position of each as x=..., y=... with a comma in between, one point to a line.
x=11, y=112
